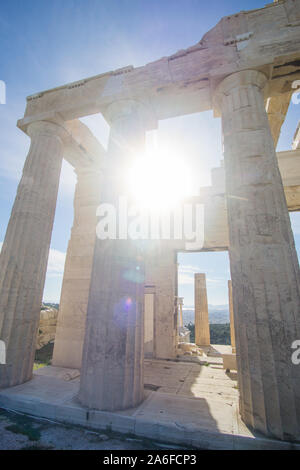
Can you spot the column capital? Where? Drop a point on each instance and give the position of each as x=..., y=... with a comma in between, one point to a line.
x=237, y=80
x=127, y=108
x=48, y=128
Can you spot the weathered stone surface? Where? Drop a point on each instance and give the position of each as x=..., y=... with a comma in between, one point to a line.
x=185, y=410
x=78, y=267
x=265, y=38
x=263, y=261
x=149, y=320
x=161, y=272
x=231, y=315
x=24, y=254
x=236, y=55
x=229, y=362
x=202, y=334
x=187, y=347
x=47, y=327
x=113, y=353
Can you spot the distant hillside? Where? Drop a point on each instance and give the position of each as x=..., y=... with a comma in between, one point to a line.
x=217, y=314
x=49, y=304
x=219, y=333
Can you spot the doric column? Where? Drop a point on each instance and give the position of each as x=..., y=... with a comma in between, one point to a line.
x=161, y=271
x=24, y=255
x=180, y=304
x=78, y=268
x=232, y=332
x=113, y=352
x=202, y=334
x=263, y=261
x=149, y=320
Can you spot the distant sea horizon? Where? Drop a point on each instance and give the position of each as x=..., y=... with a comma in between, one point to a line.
x=217, y=314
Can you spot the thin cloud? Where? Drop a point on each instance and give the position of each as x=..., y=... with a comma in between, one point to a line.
x=56, y=262
x=189, y=269
x=185, y=279
x=215, y=280
x=186, y=275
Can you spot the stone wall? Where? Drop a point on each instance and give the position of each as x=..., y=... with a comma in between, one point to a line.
x=47, y=327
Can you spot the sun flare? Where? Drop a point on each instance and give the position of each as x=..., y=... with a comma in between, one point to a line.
x=158, y=181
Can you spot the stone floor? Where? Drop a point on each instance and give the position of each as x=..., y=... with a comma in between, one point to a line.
x=18, y=432
x=191, y=380
x=186, y=403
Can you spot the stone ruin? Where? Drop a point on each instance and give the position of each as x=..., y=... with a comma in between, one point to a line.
x=244, y=69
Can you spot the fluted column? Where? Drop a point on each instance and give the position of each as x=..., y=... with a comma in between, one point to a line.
x=78, y=268
x=202, y=333
x=263, y=261
x=113, y=352
x=180, y=304
x=231, y=316
x=161, y=271
x=149, y=320
x=24, y=255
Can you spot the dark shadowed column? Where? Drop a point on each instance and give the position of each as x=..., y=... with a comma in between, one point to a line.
x=263, y=261
x=231, y=317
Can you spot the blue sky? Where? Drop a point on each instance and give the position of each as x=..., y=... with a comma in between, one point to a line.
x=46, y=44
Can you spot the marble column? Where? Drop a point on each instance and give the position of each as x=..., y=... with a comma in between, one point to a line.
x=78, y=268
x=180, y=304
x=113, y=352
x=149, y=320
x=202, y=334
x=263, y=261
x=161, y=271
x=24, y=255
x=231, y=316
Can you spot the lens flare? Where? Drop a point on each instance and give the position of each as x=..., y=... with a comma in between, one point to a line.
x=159, y=182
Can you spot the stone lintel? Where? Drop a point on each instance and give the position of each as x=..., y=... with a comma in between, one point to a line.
x=81, y=148
x=182, y=83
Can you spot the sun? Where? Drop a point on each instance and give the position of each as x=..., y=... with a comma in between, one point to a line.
x=159, y=180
